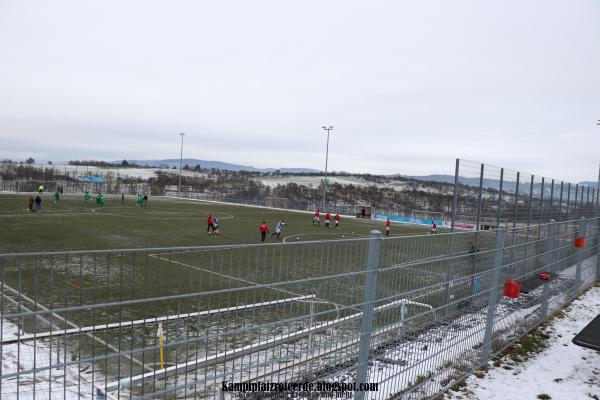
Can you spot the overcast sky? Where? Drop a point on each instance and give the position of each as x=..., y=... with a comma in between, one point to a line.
x=409, y=86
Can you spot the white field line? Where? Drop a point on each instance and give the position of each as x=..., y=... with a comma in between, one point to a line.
x=223, y=275
x=339, y=232
x=43, y=214
x=289, y=210
x=326, y=233
x=125, y=324
x=252, y=348
x=336, y=305
x=118, y=214
x=253, y=206
x=66, y=321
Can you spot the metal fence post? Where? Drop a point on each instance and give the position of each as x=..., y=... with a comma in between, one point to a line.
x=514, y=224
x=368, y=306
x=479, y=199
x=551, y=245
x=576, y=200
x=587, y=201
x=560, y=202
x=451, y=242
x=493, y=296
x=529, y=214
x=598, y=249
x=580, y=232
x=552, y=200
x=516, y=210
x=568, y=200
x=550, y=267
x=455, y=197
x=449, y=276
x=541, y=211
x=499, y=210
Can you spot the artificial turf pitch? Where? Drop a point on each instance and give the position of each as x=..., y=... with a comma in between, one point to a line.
x=165, y=222
x=214, y=277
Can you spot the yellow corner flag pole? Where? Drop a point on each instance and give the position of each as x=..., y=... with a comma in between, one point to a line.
x=160, y=335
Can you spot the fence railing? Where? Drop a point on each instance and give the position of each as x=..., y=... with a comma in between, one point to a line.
x=412, y=315
x=488, y=196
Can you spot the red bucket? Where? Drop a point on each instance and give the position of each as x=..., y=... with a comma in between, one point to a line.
x=545, y=276
x=580, y=242
x=512, y=289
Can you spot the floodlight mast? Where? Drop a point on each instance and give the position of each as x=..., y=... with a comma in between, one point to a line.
x=180, y=164
x=328, y=129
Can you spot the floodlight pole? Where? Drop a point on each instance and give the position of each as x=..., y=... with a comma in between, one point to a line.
x=328, y=129
x=180, y=163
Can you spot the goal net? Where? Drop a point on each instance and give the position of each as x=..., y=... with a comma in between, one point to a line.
x=428, y=215
x=213, y=196
x=276, y=202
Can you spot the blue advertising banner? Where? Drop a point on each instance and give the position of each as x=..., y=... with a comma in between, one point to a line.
x=409, y=220
x=90, y=179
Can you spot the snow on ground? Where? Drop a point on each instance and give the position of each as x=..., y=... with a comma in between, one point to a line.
x=443, y=352
x=315, y=181
x=142, y=173
x=49, y=384
x=563, y=371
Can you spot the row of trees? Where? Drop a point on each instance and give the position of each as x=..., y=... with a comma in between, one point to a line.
x=246, y=185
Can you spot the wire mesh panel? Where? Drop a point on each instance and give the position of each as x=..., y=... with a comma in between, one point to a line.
x=486, y=197
x=412, y=314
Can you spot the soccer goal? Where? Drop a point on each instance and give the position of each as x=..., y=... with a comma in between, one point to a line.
x=212, y=196
x=276, y=202
x=427, y=215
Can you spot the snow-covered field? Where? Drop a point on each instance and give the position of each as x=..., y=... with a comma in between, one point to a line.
x=447, y=352
x=67, y=382
x=315, y=181
x=563, y=371
x=142, y=173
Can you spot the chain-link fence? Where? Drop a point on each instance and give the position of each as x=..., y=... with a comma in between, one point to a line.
x=410, y=315
x=74, y=179
x=486, y=197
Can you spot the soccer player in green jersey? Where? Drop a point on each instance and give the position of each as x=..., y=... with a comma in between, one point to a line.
x=140, y=200
x=56, y=197
x=122, y=198
x=99, y=200
x=86, y=197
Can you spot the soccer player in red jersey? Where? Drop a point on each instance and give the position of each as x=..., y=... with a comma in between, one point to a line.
x=327, y=219
x=210, y=224
x=337, y=219
x=317, y=219
x=433, y=227
x=264, y=229
x=388, y=223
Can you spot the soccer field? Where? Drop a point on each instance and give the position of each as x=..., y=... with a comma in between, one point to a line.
x=166, y=222
x=96, y=305
x=143, y=303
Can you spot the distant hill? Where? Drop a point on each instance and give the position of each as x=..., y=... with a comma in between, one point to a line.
x=217, y=165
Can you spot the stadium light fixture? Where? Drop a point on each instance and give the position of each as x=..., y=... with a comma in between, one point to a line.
x=180, y=163
x=328, y=129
